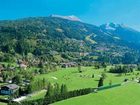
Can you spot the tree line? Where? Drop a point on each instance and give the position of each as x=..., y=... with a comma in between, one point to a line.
x=121, y=69
x=57, y=97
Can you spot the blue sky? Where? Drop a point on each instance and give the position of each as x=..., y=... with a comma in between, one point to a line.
x=91, y=11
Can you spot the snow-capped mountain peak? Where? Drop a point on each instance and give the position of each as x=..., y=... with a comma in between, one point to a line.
x=71, y=17
x=121, y=31
x=111, y=26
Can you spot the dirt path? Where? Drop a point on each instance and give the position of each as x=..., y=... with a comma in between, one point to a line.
x=27, y=96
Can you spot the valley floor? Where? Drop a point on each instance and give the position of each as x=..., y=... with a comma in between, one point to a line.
x=127, y=94
x=75, y=80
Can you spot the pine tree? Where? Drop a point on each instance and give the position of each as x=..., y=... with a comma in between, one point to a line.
x=56, y=89
x=79, y=68
x=29, y=89
x=100, y=82
x=63, y=89
x=49, y=90
x=92, y=75
x=44, y=82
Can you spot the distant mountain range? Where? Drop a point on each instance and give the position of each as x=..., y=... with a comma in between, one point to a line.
x=122, y=32
x=61, y=38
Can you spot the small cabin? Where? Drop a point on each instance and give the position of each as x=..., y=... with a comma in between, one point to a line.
x=9, y=89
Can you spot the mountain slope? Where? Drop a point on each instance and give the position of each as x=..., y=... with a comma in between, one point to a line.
x=59, y=39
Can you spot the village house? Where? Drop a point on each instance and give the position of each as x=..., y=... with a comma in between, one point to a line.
x=9, y=89
x=69, y=64
x=23, y=66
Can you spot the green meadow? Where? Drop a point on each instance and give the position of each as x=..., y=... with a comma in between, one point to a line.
x=75, y=80
x=127, y=94
x=2, y=103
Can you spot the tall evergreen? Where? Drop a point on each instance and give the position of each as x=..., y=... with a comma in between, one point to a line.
x=49, y=90
x=100, y=82
x=63, y=89
x=56, y=89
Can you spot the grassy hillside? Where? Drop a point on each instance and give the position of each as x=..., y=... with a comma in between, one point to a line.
x=127, y=94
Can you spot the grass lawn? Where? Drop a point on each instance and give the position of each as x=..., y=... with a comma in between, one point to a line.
x=75, y=80
x=3, y=96
x=37, y=95
x=2, y=103
x=127, y=94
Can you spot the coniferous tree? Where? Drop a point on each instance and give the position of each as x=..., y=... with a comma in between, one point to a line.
x=63, y=89
x=49, y=90
x=92, y=75
x=56, y=89
x=100, y=82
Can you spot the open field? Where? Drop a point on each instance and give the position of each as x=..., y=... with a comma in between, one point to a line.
x=127, y=94
x=75, y=80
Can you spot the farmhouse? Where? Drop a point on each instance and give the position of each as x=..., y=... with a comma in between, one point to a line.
x=9, y=89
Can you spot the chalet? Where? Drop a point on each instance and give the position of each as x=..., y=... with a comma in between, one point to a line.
x=9, y=89
x=23, y=66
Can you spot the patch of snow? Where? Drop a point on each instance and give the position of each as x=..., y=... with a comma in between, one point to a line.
x=84, y=29
x=108, y=34
x=116, y=38
x=71, y=17
x=108, y=27
x=94, y=35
